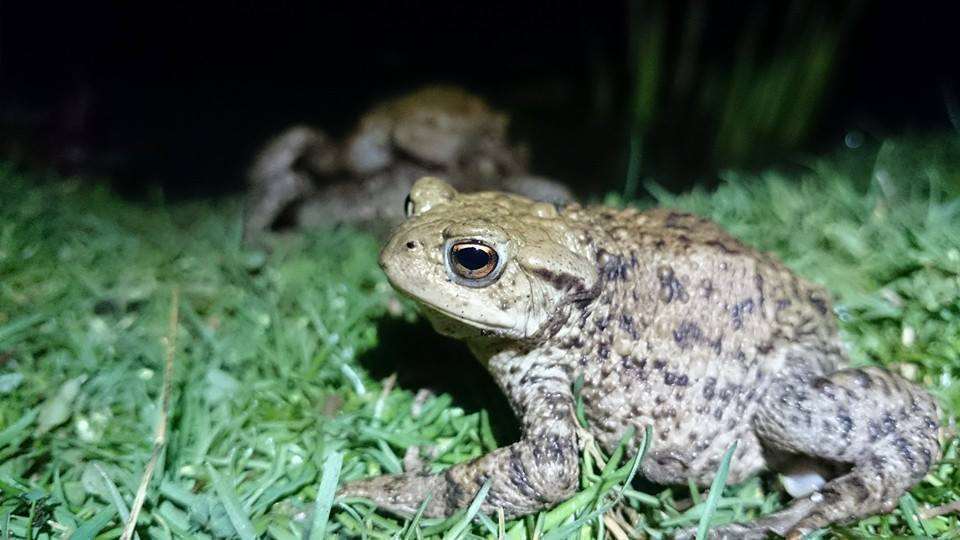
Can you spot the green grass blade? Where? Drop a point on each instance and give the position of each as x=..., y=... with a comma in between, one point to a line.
x=415, y=522
x=228, y=497
x=14, y=432
x=89, y=529
x=460, y=527
x=325, y=495
x=716, y=491
x=908, y=508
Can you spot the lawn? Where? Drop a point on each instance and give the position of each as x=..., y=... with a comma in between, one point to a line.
x=281, y=359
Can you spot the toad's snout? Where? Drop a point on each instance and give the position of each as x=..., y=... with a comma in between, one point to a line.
x=399, y=254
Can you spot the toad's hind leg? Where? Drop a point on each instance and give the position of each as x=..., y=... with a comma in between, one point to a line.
x=884, y=426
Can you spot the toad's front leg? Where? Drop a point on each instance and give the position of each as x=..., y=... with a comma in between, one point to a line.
x=535, y=473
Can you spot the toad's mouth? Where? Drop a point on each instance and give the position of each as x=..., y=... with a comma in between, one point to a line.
x=433, y=312
x=440, y=315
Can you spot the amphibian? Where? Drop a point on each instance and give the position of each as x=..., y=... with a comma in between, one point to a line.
x=317, y=181
x=671, y=323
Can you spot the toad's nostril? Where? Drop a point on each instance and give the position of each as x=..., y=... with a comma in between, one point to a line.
x=411, y=245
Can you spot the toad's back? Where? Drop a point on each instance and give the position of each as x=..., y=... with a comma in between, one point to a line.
x=687, y=330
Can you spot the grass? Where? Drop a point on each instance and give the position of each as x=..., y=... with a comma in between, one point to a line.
x=270, y=391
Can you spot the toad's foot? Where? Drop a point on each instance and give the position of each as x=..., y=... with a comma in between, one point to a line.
x=774, y=525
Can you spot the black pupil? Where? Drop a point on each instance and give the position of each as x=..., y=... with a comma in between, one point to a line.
x=472, y=258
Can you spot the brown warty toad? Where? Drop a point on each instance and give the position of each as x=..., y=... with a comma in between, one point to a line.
x=672, y=323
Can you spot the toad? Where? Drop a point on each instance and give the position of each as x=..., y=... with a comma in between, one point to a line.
x=671, y=323
x=308, y=177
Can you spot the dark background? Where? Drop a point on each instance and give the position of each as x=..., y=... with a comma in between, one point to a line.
x=179, y=95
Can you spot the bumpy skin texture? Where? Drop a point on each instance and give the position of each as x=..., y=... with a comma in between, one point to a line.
x=364, y=179
x=672, y=323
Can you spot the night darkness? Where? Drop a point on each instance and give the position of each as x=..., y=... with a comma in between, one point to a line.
x=182, y=94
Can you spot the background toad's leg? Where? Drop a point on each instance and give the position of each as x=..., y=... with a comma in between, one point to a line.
x=281, y=174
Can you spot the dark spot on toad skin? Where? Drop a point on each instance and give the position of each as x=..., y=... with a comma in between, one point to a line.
x=659, y=363
x=670, y=287
x=862, y=378
x=480, y=480
x=884, y=387
x=687, y=334
x=723, y=248
x=717, y=345
x=675, y=379
x=845, y=421
x=823, y=384
x=830, y=495
x=819, y=303
x=758, y=283
x=531, y=379
x=709, y=387
x=627, y=324
x=905, y=449
x=668, y=412
x=454, y=493
x=676, y=220
x=634, y=367
x=517, y=474
x=889, y=424
x=739, y=310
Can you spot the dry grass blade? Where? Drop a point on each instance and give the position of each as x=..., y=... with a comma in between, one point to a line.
x=941, y=510
x=160, y=436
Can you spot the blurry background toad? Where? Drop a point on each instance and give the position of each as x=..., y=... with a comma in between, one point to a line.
x=307, y=177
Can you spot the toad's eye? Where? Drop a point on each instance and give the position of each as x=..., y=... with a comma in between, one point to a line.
x=473, y=261
x=408, y=206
